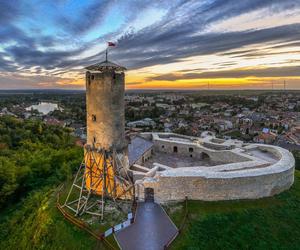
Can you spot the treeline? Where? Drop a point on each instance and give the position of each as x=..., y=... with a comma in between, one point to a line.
x=33, y=156
x=229, y=99
x=73, y=108
x=153, y=112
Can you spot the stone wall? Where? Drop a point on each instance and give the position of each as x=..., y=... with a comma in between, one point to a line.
x=105, y=109
x=240, y=176
x=146, y=156
x=226, y=156
x=196, y=151
x=187, y=150
x=176, y=188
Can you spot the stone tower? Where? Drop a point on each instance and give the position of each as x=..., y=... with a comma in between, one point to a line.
x=103, y=175
x=105, y=87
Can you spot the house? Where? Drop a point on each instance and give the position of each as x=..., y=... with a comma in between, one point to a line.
x=147, y=122
x=199, y=105
x=162, y=105
x=80, y=133
x=223, y=125
x=266, y=137
x=228, y=113
x=184, y=112
x=168, y=127
x=53, y=121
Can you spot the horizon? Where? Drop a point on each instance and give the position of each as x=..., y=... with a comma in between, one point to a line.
x=182, y=45
x=157, y=89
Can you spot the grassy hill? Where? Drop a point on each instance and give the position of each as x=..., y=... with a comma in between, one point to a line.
x=269, y=223
x=36, y=223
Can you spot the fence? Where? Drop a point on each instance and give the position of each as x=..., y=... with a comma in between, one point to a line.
x=82, y=225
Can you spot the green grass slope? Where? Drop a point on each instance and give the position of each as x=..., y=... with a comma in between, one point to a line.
x=37, y=224
x=269, y=223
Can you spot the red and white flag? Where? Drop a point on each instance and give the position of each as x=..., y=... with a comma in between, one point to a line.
x=111, y=44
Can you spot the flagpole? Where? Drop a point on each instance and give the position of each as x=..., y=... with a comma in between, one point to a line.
x=109, y=44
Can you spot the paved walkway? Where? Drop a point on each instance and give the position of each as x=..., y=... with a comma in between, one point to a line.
x=151, y=230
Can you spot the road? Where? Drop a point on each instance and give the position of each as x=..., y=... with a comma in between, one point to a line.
x=151, y=230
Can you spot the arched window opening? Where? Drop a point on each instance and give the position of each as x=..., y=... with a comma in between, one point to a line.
x=205, y=156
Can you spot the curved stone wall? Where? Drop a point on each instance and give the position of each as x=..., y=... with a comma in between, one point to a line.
x=252, y=178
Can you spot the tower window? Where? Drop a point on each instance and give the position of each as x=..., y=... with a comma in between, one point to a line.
x=94, y=139
x=94, y=118
x=175, y=149
x=191, y=150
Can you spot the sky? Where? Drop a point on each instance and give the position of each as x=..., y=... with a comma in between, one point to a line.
x=178, y=44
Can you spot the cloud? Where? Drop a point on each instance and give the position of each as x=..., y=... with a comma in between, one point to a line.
x=177, y=45
x=133, y=83
x=84, y=18
x=61, y=41
x=9, y=11
x=236, y=73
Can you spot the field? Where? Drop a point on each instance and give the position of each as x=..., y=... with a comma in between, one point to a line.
x=269, y=223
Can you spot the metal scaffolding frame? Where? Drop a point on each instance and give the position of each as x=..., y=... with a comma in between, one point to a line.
x=89, y=201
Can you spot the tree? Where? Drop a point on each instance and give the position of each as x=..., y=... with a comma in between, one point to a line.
x=8, y=179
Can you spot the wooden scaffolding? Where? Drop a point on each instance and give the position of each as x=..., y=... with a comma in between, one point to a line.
x=101, y=177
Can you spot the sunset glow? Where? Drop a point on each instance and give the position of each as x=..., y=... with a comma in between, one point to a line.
x=192, y=44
